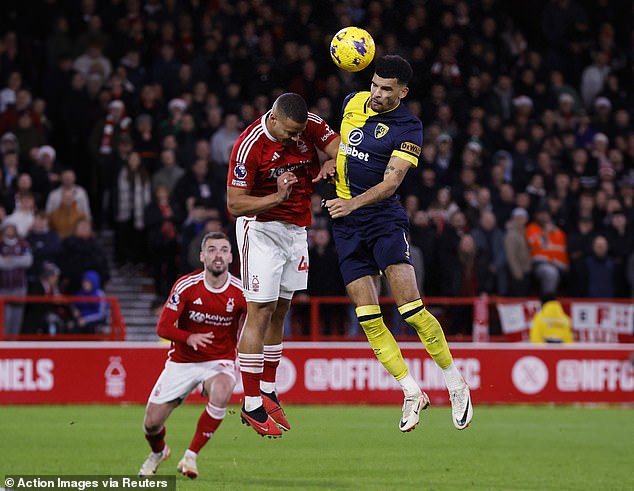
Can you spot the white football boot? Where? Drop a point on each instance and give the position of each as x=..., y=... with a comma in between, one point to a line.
x=461, y=407
x=412, y=406
x=153, y=461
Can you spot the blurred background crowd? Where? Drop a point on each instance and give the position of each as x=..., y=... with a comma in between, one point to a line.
x=121, y=114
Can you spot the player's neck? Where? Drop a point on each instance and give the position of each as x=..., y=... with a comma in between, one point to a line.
x=214, y=281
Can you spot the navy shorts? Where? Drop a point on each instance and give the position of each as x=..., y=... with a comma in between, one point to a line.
x=368, y=243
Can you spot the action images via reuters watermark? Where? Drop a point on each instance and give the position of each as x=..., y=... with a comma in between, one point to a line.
x=15, y=482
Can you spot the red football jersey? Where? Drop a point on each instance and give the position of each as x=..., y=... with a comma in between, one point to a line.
x=258, y=159
x=194, y=306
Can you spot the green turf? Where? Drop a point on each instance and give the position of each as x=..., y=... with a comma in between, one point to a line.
x=337, y=447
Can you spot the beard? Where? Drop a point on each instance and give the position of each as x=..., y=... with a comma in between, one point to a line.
x=217, y=270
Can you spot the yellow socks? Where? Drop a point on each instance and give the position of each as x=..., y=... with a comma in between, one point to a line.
x=429, y=331
x=382, y=341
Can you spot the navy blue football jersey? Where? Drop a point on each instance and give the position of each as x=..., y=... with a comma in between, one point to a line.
x=368, y=141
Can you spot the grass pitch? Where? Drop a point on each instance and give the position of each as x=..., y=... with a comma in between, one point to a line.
x=337, y=447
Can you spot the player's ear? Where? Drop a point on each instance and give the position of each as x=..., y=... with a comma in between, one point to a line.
x=404, y=92
x=201, y=257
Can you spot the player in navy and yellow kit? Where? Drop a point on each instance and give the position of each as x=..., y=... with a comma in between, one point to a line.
x=380, y=140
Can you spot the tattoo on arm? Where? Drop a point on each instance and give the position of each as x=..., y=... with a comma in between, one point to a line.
x=390, y=168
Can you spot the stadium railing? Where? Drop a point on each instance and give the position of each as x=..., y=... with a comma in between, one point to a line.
x=113, y=330
x=464, y=319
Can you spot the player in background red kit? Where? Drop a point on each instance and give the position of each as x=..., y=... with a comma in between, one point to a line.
x=202, y=319
x=273, y=167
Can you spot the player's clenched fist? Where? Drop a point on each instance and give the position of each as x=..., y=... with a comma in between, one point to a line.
x=339, y=208
x=285, y=185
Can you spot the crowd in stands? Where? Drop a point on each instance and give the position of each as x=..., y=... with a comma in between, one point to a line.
x=122, y=113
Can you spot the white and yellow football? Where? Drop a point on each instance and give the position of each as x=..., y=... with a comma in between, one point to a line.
x=352, y=49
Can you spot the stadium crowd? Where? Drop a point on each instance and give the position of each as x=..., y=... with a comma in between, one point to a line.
x=122, y=114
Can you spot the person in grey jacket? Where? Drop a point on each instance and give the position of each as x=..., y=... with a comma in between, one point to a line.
x=518, y=254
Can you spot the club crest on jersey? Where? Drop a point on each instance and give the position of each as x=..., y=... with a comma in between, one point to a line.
x=301, y=145
x=230, y=304
x=240, y=171
x=381, y=130
x=355, y=137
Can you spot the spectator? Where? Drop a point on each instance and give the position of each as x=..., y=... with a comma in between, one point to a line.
x=107, y=174
x=133, y=194
x=579, y=246
x=93, y=63
x=222, y=142
x=81, y=252
x=448, y=254
x=28, y=134
x=173, y=124
x=325, y=280
x=45, y=244
x=24, y=214
x=518, y=254
x=600, y=268
x=15, y=259
x=620, y=238
x=68, y=181
x=107, y=131
x=147, y=141
x=45, y=173
x=198, y=184
x=548, y=251
x=550, y=324
x=162, y=240
x=593, y=78
x=423, y=236
x=169, y=172
x=45, y=317
x=66, y=216
x=490, y=255
x=91, y=315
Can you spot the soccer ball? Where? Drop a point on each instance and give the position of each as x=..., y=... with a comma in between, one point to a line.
x=352, y=49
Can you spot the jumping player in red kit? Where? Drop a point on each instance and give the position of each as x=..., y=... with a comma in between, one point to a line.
x=201, y=318
x=273, y=166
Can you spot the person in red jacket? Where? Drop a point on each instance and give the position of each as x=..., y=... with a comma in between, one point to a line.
x=202, y=318
x=548, y=251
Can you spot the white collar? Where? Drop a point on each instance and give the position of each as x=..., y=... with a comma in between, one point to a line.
x=266, y=130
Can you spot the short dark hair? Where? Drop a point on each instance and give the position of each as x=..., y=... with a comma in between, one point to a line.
x=394, y=66
x=291, y=105
x=213, y=236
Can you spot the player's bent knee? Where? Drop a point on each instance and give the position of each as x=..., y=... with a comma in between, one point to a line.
x=220, y=390
x=152, y=426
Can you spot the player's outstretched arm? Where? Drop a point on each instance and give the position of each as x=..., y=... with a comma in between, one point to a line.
x=329, y=166
x=240, y=202
x=392, y=179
